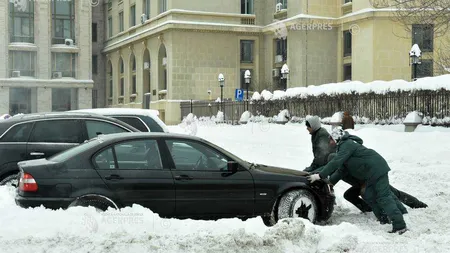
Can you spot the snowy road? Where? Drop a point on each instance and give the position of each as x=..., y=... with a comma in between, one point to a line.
x=420, y=166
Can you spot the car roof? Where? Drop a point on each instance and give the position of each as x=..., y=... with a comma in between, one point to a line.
x=4, y=124
x=121, y=111
x=131, y=135
x=154, y=114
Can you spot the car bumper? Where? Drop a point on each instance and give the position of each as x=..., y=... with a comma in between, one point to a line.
x=50, y=203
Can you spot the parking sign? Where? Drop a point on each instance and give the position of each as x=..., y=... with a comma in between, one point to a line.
x=239, y=94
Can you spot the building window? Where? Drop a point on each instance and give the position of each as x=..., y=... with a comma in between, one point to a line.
x=133, y=74
x=94, y=32
x=147, y=8
x=94, y=64
x=284, y=4
x=21, y=22
x=121, y=26
x=19, y=100
x=347, y=1
x=132, y=15
x=425, y=69
x=63, y=65
x=61, y=100
x=110, y=79
x=347, y=43
x=281, y=48
x=122, y=78
x=22, y=63
x=247, y=7
x=247, y=51
x=110, y=27
x=162, y=6
x=243, y=84
x=423, y=36
x=347, y=72
x=63, y=14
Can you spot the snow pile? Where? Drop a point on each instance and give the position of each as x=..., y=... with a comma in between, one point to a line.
x=218, y=100
x=357, y=87
x=220, y=117
x=283, y=116
x=189, y=124
x=266, y=95
x=245, y=117
x=413, y=117
x=256, y=96
x=337, y=117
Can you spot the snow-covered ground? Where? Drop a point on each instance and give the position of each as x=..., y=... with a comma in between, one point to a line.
x=420, y=166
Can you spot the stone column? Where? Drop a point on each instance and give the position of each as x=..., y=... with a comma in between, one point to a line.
x=84, y=98
x=4, y=100
x=44, y=100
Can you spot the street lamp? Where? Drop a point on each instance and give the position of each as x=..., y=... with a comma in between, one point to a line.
x=209, y=94
x=248, y=78
x=285, y=74
x=415, y=55
x=221, y=83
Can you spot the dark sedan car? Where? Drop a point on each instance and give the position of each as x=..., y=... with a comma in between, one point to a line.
x=173, y=175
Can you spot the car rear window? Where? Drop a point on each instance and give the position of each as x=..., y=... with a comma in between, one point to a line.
x=134, y=122
x=153, y=125
x=75, y=151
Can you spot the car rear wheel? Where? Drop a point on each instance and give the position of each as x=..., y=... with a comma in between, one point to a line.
x=298, y=204
x=11, y=180
x=98, y=202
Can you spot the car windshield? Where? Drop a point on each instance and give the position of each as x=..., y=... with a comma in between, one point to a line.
x=71, y=152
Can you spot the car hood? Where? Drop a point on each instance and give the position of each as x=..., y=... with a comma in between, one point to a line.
x=278, y=171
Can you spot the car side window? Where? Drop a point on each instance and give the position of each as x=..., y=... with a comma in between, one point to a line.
x=191, y=155
x=59, y=131
x=138, y=154
x=105, y=160
x=134, y=122
x=95, y=128
x=153, y=125
x=18, y=133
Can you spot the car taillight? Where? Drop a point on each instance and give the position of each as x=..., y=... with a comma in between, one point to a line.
x=27, y=183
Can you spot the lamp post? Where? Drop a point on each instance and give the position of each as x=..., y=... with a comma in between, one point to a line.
x=221, y=84
x=415, y=55
x=285, y=74
x=209, y=94
x=248, y=78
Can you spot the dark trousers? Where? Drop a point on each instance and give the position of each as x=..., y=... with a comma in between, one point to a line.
x=352, y=195
x=383, y=202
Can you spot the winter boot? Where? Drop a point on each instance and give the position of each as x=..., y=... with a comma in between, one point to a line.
x=398, y=231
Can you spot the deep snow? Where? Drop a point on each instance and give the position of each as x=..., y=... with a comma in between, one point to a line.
x=419, y=163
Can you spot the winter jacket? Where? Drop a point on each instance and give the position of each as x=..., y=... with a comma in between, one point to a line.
x=362, y=163
x=321, y=149
x=348, y=122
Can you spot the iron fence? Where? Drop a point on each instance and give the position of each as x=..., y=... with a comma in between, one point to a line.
x=432, y=104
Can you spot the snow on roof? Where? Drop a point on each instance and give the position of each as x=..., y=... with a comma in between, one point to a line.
x=378, y=87
x=415, y=51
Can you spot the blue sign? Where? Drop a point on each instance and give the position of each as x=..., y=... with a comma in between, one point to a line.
x=239, y=94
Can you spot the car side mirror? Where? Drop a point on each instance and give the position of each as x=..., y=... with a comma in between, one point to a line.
x=232, y=166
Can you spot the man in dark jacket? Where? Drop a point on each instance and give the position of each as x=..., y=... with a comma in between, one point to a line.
x=320, y=143
x=366, y=165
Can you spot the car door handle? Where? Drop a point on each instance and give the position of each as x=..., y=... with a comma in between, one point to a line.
x=113, y=177
x=183, y=177
x=36, y=154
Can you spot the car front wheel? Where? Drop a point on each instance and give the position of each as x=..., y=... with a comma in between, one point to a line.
x=298, y=204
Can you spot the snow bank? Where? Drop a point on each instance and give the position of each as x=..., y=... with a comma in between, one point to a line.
x=245, y=116
x=189, y=124
x=283, y=116
x=413, y=117
x=378, y=87
x=337, y=117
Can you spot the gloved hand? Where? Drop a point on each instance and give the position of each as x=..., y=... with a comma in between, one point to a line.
x=313, y=177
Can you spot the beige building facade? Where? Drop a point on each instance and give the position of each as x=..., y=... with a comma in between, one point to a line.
x=160, y=52
x=45, y=56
